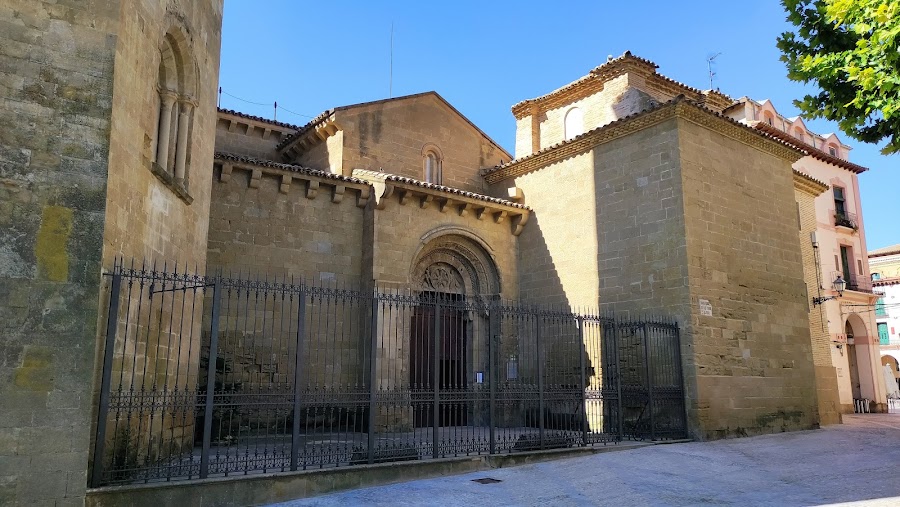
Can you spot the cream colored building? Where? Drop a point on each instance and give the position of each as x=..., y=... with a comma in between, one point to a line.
x=840, y=245
x=885, y=265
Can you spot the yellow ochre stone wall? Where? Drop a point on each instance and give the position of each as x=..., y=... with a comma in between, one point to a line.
x=826, y=374
x=752, y=358
x=390, y=136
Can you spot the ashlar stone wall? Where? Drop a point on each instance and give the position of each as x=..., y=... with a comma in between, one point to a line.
x=827, y=392
x=752, y=358
x=55, y=119
x=393, y=136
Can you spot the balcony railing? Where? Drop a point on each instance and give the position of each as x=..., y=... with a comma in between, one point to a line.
x=855, y=282
x=847, y=220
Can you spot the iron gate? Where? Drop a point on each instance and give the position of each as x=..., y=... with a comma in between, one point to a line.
x=218, y=375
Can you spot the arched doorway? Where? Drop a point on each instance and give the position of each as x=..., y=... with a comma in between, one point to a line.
x=852, y=361
x=454, y=276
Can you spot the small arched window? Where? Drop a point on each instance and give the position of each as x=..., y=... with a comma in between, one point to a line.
x=432, y=167
x=769, y=118
x=176, y=89
x=799, y=134
x=573, y=123
x=832, y=150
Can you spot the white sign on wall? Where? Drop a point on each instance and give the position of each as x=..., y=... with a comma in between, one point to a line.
x=705, y=308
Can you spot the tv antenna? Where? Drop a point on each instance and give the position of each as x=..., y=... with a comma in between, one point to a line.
x=709, y=64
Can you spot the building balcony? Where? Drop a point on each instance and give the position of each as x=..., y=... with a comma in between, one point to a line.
x=847, y=220
x=855, y=282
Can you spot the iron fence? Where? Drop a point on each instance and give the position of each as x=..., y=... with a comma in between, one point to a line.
x=209, y=376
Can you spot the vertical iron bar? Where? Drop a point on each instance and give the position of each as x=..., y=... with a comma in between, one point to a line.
x=582, y=351
x=492, y=373
x=298, y=363
x=211, y=377
x=678, y=366
x=436, y=376
x=540, y=365
x=373, y=375
x=620, y=410
x=649, y=372
x=111, y=325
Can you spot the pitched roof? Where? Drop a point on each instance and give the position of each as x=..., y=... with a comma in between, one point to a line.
x=610, y=68
x=807, y=149
x=585, y=141
x=256, y=118
x=318, y=119
x=882, y=252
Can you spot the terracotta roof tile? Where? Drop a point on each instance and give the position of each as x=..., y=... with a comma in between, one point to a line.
x=304, y=129
x=624, y=119
x=257, y=118
x=612, y=64
x=888, y=250
x=286, y=167
x=809, y=150
x=441, y=188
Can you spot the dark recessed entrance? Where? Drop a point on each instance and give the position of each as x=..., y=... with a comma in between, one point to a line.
x=439, y=314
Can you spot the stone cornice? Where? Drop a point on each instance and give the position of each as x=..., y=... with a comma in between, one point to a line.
x=678, y=107
x=309, y=136
x=808, y=184
x=598, y=77
x=256, y=121
x=288, y=174
x=407, y=191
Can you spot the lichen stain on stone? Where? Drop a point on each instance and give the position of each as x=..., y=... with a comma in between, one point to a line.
x=51, y=248
x=36, y=372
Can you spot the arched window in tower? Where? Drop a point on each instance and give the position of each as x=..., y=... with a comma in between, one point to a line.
x=767, y=116
x=574, y=123
x=432, y=167
x=176, y=101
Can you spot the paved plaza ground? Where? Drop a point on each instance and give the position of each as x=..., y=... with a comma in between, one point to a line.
x=855, y=463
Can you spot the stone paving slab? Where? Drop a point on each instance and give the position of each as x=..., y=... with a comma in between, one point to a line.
x=857, y=463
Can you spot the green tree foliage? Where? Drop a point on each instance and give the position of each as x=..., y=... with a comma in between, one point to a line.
x=849, y=48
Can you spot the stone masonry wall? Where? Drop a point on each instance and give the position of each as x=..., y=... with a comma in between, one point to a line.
x=752, y=357
x=558, y=247
x=144, y=216
x=390, y=136
x=828, y=394
x=265, y=231
x=56, y=67
x=244, y=136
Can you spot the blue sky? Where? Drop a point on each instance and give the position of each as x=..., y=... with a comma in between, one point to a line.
x=485, y=56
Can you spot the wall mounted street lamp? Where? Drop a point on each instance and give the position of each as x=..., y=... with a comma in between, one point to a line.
x=838, y=285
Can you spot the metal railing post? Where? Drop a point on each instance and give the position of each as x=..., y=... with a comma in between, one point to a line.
x=620, y=409
x=537, y=340
x=581, y=353
x=373, y=375
x=678, y=364
x=211, y=377
x=436, y=377
x=112, y=322
x=492, y=376
x=298, y=365
x=649, y=372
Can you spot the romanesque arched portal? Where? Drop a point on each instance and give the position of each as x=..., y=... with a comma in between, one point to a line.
x=454, y=276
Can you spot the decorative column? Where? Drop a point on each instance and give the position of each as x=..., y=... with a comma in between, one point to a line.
x=184, y=116
x=167, y=100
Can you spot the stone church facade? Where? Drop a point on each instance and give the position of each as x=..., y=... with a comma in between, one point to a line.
x=628, y=192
